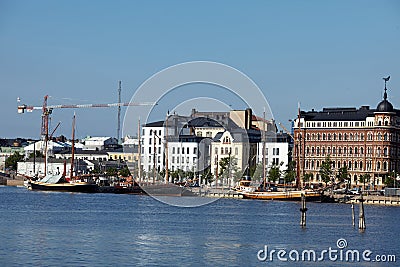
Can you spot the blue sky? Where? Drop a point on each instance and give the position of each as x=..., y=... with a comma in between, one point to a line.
x=319, y=53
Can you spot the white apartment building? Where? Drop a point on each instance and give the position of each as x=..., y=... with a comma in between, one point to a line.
x=277, y=149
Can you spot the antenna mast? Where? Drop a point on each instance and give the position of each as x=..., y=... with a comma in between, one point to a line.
x=119, y=110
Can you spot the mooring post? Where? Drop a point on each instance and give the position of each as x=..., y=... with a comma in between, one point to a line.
x=353, y=217
x=361, y=222
x=303, y=210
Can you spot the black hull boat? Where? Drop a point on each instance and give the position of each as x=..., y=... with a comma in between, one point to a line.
x=58, y=183
x=65, y=187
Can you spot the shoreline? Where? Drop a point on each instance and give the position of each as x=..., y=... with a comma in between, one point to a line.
x=368, y=200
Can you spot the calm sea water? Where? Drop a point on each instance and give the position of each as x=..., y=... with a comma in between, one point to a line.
x=64, y=229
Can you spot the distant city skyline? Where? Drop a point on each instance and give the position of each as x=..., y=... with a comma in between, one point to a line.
x=321, y=54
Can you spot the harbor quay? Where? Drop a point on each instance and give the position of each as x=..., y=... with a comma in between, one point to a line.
x=225, y=192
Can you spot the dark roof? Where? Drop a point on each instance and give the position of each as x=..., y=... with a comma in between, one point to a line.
x=384, y=105
x=218, y=136
x=338, y=114
x=203, y=122
x=154, y=124
x=185, y=138
x=245, y=135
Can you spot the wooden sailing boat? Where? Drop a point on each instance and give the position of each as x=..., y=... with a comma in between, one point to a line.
x=265, y=194
x=59, y=182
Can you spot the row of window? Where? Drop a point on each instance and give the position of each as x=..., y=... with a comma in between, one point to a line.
x=176, y=160
x=155, y=132
x=208, y=134
x=354, y=179
x=182, y=150
x=329, y=124
x=275, y=151
x=351, y=137
x=226, y=150
x=345, y=124
x=357, y=165
x=378, y=151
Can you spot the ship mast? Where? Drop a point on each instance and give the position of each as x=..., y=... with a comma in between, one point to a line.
x=140, y=153
x=263, y=151
x=166, y=150
x=298, y=171
x=72, y=148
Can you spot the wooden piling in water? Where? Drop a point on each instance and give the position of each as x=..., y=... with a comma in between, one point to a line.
x=361, y=221
x=303, y=210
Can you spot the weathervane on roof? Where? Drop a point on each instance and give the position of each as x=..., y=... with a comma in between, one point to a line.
x=386, y=80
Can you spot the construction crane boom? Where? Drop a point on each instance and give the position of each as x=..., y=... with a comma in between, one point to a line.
x=286, y=130
x=47, y=110
x=23, y=108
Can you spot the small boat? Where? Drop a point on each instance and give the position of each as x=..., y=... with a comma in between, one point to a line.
x=292, y=195
x=244, y=186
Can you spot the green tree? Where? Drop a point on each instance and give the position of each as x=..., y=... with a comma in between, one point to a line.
x=227, y=167
x=207, y=175
x=12, y=161
x=389, y=181
x=365, y=178
x=37, y=153
x=325, y=170
x=307, y=177
x=112, y=171
x=274, y=173
x=125, y=172
x=258, y=173
x=343, y=174
x=290, y=172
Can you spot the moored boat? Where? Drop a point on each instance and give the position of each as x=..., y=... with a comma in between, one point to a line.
x=59, y=183
x=291, y=195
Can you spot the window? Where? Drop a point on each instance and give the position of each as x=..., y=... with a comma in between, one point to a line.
x=159, y=150
x=216, y=150
x=237, y=151
x=195, y=150
x=151, y=132
x=178, y=149
x=150, y=141
x=199, y=133
x=187, y=150
x=222, y=150
x=173, y=150
x=150, y=150
x=173, y=159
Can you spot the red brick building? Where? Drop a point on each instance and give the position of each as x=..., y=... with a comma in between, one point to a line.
x=365, y=140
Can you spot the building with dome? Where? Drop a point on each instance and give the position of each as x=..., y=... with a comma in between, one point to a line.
x=365, y=140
